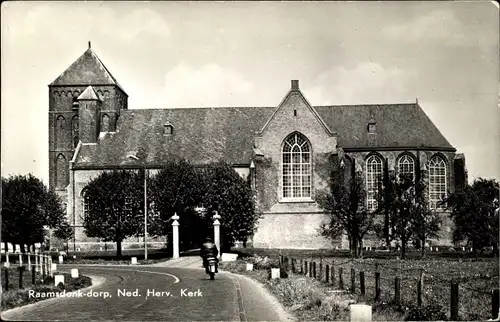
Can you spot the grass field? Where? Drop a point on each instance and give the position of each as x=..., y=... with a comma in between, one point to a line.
x=15, y=296
x=476, y=279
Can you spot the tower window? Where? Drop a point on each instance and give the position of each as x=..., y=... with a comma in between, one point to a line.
x=105, y=123
x=75, y=104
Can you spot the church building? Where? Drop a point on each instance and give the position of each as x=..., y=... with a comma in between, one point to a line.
x=286, y=149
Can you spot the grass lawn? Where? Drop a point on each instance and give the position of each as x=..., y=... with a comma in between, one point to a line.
x=476, y=278
x=15, y=296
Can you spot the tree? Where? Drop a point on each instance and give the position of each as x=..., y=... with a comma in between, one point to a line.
x=27, y=206
x=345, y=203
x=64, y=232
x=176, y=189
x=473, y=213
x=226, y=192
x=426, y=222
x=114, y=206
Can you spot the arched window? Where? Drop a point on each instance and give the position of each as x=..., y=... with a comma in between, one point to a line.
x=59, y=133
x=406, y=166
x=75, y=129
x=105, y=123
x=85, y=203
x=61, y=171
x=437, y=181
x=296, y=167
x=373, y=176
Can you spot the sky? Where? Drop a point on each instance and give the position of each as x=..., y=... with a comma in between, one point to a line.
x=195, y=54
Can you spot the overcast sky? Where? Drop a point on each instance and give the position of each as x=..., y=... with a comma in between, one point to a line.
x=245, y=54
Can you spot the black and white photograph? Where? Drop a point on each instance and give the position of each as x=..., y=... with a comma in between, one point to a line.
x=250, y=161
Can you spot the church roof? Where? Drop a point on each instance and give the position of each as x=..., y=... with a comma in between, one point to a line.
x=88, y=69
x=88, y=94
x=203, y=135
x=397, y=126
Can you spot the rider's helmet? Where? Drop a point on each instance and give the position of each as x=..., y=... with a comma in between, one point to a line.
x=208, y=239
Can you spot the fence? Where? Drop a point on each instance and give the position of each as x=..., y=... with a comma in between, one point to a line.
x=372, y=285
x=17, y=264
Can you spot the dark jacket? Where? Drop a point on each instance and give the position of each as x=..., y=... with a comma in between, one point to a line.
x=209, y=249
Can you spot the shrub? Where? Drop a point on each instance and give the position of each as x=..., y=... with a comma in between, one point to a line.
x=431, y=312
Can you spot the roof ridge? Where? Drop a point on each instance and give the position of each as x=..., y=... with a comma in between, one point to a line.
x=385, y=104
x=195, y=108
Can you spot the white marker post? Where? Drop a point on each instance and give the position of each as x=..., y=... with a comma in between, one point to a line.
x=361, y=312
x=58, y=279
x=175, y=235
x=217, y=232
x=7, y=263
x=49, y=267
x=20, y=259
x=41, y=262
x=36, y=261
x=74, y=273
x=134, y=261
x=29, y=262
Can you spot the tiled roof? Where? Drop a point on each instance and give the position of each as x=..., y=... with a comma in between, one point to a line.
x=397, y=125
x=88, y=94
x=202, y=135
x=88, y=69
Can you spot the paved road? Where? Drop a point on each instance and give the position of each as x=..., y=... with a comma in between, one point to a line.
x=160, y=292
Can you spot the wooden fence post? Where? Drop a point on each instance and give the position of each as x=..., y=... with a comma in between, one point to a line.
x=341, y=280
x=377, y=286
x=320, y=277
x=327, y=273
x=362, y=282
x=495, y=303
x=420, y=286
x=33, y=274
x=397, y=289
x=294, y=270
x=305, y=268
x=6, y=278
x=454, y=302
x=314, y=269
x=332, y=270
x=21, y=271
x=301, y=263
x=353, y=281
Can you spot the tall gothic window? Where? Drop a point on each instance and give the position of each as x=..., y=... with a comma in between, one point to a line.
x=437, y=181
x=85, y=203
x=296, y=167
x=406, y=166
x=61, y=171
x=373, y=175
x=75, y=129
x=59, y=133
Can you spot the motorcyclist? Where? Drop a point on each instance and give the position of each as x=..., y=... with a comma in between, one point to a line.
x=209, y=249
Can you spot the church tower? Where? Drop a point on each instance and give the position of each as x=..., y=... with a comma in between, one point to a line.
x=84, y=100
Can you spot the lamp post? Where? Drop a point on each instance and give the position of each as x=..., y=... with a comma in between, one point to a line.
x=145, y=208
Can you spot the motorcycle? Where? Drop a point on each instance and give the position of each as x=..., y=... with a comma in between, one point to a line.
x=212, y=267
